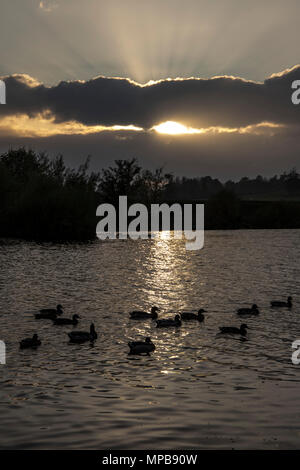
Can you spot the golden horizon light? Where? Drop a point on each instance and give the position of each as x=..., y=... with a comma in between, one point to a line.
x=175, y=128
x=44, y=125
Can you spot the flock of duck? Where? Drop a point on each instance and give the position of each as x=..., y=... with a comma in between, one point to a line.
x=141, y=347
x=54, y=315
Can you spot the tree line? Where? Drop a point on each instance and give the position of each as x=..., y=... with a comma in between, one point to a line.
x=43, y=199
x=285, y=186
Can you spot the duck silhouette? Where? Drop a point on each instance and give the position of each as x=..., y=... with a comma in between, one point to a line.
x=248, y=311
x=186, y=316
x=49, y=313
x=233, y=330
x=140, y=315
x=288, y=304
x=33, y=342
x=83, y=336
x=140, y=347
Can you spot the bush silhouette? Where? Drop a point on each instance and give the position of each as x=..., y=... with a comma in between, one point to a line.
x=42, y=199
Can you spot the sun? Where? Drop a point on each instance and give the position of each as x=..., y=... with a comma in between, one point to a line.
x=174, y=128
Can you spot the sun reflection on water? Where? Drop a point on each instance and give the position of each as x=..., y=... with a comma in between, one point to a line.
x=165, y=276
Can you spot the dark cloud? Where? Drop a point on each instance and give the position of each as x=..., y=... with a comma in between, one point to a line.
x=223, y=101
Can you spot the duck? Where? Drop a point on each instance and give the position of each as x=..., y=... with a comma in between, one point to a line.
x=140, y=347
x=168, y=322
x=66, y=321
x=193, y=316
x=33, y=342
x=49, y=313
x=248, y=311
x=234, y=330
x=139, y=315
x=287, y=304
x=83, y=336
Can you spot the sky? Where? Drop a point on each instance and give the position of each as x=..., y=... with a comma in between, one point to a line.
x=199, y=86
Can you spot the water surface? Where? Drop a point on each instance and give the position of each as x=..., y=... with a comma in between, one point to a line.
x=198, y=390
